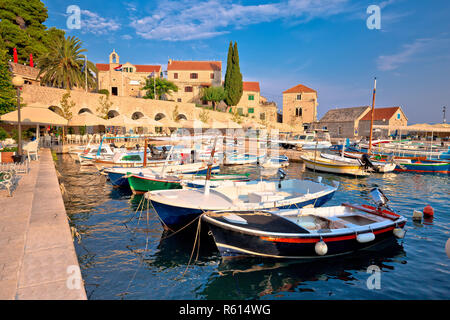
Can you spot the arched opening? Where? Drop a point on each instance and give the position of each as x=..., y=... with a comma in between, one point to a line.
x=85, y=110
x=57, y=110
x=181, y=117
x=137, y=115
x=159, y=116
x=112, y=114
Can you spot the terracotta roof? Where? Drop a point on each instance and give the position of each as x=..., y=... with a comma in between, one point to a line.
x=147, y=68
x=299, y=89
x=195, y=65
x=102, y=66
x=251, y=86
x=381, y=113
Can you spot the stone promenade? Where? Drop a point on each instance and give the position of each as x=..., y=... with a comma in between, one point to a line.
x=37, y=255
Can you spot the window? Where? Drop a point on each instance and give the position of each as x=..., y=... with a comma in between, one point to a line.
x=187, y=89
x=339, y=130
x=114, y=91
x=298, y=112
x=194, y=75
x=251, y=97
x=299, y=97
x=204, y=102
x=251, y=110
x=175, y=75
x=179, y=100
x=398, y=116
x=212, y=76
x=262, y=116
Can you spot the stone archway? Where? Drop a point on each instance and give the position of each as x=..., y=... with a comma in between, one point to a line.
x=57, y=110
x=181, y=117
x=112, y=114
x=137, y=115
x=159, y=116
x=85, y=110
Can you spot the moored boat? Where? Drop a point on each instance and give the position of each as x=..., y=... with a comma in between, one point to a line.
x=318, y=163
x=422, y=166
x=303, y=233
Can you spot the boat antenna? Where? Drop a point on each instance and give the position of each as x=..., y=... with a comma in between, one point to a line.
x=373, y=113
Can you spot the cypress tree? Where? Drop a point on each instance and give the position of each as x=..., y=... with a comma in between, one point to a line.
x=8, y=100
x=233, y=77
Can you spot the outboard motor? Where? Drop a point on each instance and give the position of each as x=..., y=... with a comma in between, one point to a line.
x=113, y=146
x=137, y=146
x=282, y=175
x=366, y=163
x=379, y=198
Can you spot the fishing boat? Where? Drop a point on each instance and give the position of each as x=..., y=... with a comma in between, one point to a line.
x=306, y=232
x=318, y=163
x=317, y=139
x=241, y=159
x=140, y=183
x=372, y=166
x=422, y=166
x=118, y=175
x=275, y=162
x=176, y=208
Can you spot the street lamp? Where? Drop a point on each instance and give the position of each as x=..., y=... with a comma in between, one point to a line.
x=18, y=82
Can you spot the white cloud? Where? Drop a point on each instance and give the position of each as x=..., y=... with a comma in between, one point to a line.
x=409, y=51
x=91, y=22
x=188, y=20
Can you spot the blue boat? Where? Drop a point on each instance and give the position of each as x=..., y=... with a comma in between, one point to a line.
x=177, y=208
x=422, y=166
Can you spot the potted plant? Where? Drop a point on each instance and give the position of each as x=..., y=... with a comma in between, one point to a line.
x=7, y=155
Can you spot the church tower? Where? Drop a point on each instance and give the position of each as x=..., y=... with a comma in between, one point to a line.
x=114, y=57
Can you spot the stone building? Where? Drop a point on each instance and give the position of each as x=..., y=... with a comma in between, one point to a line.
x=29, y=74
x=343, y=122
x=390, y=116
x=191, y=76
x=124, y=80
x=299, y=106
x=254, y=105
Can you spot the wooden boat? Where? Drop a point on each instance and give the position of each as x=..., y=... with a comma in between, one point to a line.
x=422, y=166
x=318, y=163
x=372, y=166
x=176, y=208
x=118, y=175
x=303, y=233
x=140, y=183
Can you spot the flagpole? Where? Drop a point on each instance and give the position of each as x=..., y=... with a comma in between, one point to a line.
x=373, y=113
x=85, y=71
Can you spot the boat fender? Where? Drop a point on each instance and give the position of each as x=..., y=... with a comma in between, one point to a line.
x=417, y=215
x=399, y=233
x=319, y=179
x=321, y=248
x=365, y=237
x=428, y=211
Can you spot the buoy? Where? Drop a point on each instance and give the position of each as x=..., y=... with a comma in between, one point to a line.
x=428, y=211
x=365, y=237
x=417, y=215
x=321, y=248
x=399, y=233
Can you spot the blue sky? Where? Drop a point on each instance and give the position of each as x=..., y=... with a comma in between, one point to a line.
x=323, y=44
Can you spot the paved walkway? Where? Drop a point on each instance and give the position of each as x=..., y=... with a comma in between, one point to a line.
x=37, y=255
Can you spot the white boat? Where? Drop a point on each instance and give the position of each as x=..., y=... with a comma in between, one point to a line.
x=242, y=159
x=275, y=162
x=318, y=139
x=317, y=163
x=176, y=208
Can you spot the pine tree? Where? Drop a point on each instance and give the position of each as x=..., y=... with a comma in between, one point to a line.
x=8, y=100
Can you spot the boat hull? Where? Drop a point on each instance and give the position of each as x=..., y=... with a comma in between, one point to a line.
x=140, y=185
x=349, y=169
x=176, y=217
x=424, y=167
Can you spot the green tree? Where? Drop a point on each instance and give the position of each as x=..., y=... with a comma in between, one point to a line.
x=66, y=105
x=213, y=94
x=21, y=27
x=8, y=100
x=204, y=116
x=160, y=86
x=233, y=78
x=105, y=105
x=62, y=66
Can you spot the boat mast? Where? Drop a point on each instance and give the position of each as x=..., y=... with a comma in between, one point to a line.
x=210, y=163
x=145, y=153
x=373, y=112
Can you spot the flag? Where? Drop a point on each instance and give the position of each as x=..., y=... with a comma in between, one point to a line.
x=119, y=68
x=15, y=55
x=84, y=65
x=31, y=60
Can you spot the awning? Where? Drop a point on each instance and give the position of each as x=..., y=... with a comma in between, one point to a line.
x=34, y=116
x=87, y=119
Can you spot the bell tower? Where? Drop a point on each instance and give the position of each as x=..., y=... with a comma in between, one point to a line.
x=114, y=57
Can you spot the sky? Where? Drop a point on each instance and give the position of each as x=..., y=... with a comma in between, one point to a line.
x=328, y=45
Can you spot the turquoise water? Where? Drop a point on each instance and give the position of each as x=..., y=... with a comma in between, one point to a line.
x=125, y=254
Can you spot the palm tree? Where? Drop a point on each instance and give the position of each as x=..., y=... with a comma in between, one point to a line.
x=160, y=86
x=63, y=65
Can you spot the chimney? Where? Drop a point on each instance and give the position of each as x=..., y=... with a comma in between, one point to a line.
x=170, y=61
